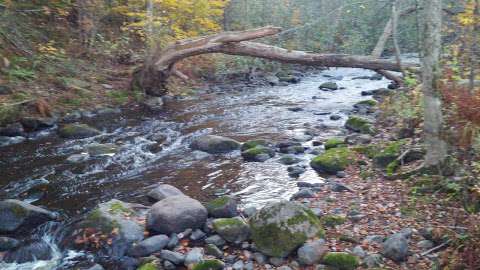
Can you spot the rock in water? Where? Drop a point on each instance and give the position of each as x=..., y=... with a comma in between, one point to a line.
x=234, y=230
x=149, y=246
x=7, y=243
x=16, y=215
x=77, y=131
x=312, y=252
x=163, y=191
x=396, y=247
x=214, y=144
x=333, y=160
x=175, y=214
x=279, y=228
x=36, y=250
x=223, y=207
x=329, y=86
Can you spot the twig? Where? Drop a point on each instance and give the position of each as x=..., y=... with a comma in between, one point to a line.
x=435, y=248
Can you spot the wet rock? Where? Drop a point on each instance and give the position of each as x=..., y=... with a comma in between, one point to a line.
x=279, y=228
x=284, y=267
x=329, y=86
x=361, y=78
x=341, y=260
x=12, y=130
x=312, y=252
x=175, y=214
x=238, y=265
x=358, y=139
x=209, y=265
x=295, y=109
x=303, y=138
x=7, y=243
x=339, y=187
x=197, y=235
x=223, y=207
x=359, y=252
x=376, y=77
x=289, y=79
x=29, y=252
x=172, y=256
x=213, y=250
x=194, y=256
x=258, y=153
x=260, y=258
x=234, y=230
x=174, y=241
x=396, y=247
x=272, y=80
x=38, y=123
x=169, y=266
x=249, y=266
x=303, y=193
x=341, y=174
x=18, y=215
x=334, y=143
x=296, y=171
x=289, y=160
x=317, y=212
x=214, y=144
x=96, y=267
x=72, y=117
x=149, y=246
x=153, y=104
x=276, y=261
x=373, y=260
x=6, y=141
x=100, y=150
x=216, y=240
x=163, y=191
x=335, y=117
x=358, y=124
x=77, y=131
x=78, y=158
x=333, y=160
x=249, y=211
x=388, y=153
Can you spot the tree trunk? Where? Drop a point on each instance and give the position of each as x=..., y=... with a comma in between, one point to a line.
x=153, y=75
x=433, y=118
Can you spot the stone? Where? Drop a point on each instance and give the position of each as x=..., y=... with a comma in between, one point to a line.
x=396, y=247
x=17, y=215
x=260, y=258
x=29, y=252
x=341, y=260
x=358, y=124
x=249, y=211
x=7, y=243
x=234, y=230
x=295, y=109
x=214, y=144
x=96, y=267
x=376, y=77
x=169, y=265
x=334, y=143
x=5, y=90
x=333, y=160
x=163, y=191
x=358, y=139
x=12, y=130
x=335, y=117
x=303, y=193
x=194, y=256
x=359, y=252
x=341, y=174
x=312, y=252
x=175, y=214
x=100, y=150
x=37, y=123
x=373, y=260
x=374, y=239
x=172, y=256
x=388, y=153
x=6, y=141
x=339, y=187
x=424, y=244
x=209, y=265
x=153, y=104
x=296, y=171
x=149, y=246
x=331, y=86
x=276, y=261
x=289, y=160
x=197, y=235
x=216, y=240
x=77, y=131
x=213, y=250
x=174, y=241
x=280, y=227
x=238, y=265
x=258, y=153
x=222, y=207
x=284, y=267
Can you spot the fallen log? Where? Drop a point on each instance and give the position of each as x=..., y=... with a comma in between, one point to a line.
x=152, y=77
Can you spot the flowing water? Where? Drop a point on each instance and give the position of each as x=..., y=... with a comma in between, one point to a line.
x=38, y=171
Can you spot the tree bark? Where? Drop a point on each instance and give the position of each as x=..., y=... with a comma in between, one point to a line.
x=153, y=75
x=433, y=119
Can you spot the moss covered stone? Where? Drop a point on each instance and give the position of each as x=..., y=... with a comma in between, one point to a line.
x=333, y=160
x=77, y=131
x=389, y=153
x=254, y=143
x=341, y=260
x=209, y=265
x=279, y=228
x=368, y=102
x=234, y=230
x=333, y=220
x=258, y=153
x=222, y=207
x=334, y=143
x=148, y=266
x=359, y=124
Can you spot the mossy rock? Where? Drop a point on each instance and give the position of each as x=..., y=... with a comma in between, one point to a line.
x=9, y=114
x=389, y=153
x=77, y=131
x=329, y=86
x=333, y=220
x=149, y=266
x=334, y=143
x=341, y=260
x=279, y=228
x=258, y=153
x=234, y=230
x=255, y=143
x=368, y=102
x=359, y=124
x=209, y=265
x=333, y=160
x=222, y=207
x=367, y=150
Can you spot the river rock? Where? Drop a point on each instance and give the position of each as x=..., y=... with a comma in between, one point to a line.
x=289, y=160
x=7, y=243
x=153, y=104
x=279, y=228
x=333, y=160
x=373, y=260
x=376, y=77
x=332, y=86
x=214, y=251
x=163, y=191
x=114, y=215
x=296, y=171
x=303, y=193
x=172, y=256
x=223, y=207
x=175, y=214
x=77, y=131
x=18, y=215
x=214, y=144
x=6, y=141
x=12, y=130
x=341, y=260
x=312, y=252
x=194, y=256
x=216, y=240
x=396, y=247
x=149, y=246
x=96, y=267
x=29, y=252
x=358, y=124
x=272, y=80
x=425, y=244
x=38, y=123
x=258, y=153
x=212, y=264
x=101, y=149
x=234, y=230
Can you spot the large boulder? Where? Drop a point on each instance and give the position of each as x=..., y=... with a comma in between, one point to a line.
x=222, y=207
x=77, y=131
x=333, y=160
x=214, y=144
x=279, y=228
x=175, y=214
x=18, y=215
x=163, y=191
x=234, y=230
x=119, y=224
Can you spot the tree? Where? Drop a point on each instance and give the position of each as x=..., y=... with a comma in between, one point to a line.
x=431, y=48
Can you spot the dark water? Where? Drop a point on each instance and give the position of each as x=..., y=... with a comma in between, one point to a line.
x=242, y=114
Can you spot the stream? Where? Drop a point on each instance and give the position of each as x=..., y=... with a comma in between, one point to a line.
x=38, y=171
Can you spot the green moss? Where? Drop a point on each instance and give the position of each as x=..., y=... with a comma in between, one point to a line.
x=220, y=223
x=284, y=240
x=253, y=144
x=359, y=124
x=341, y=260
x=9, y=113
x=333, y=220
x=119, y=97
x=218, y=202
x=97, y=220
x=333, y=160
x=209, y=265
x=119, y=208
x=388, y=153
x=148, y=266
x=367, y=150
x=368, y=102
x=392, y=167
x=334, y=143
